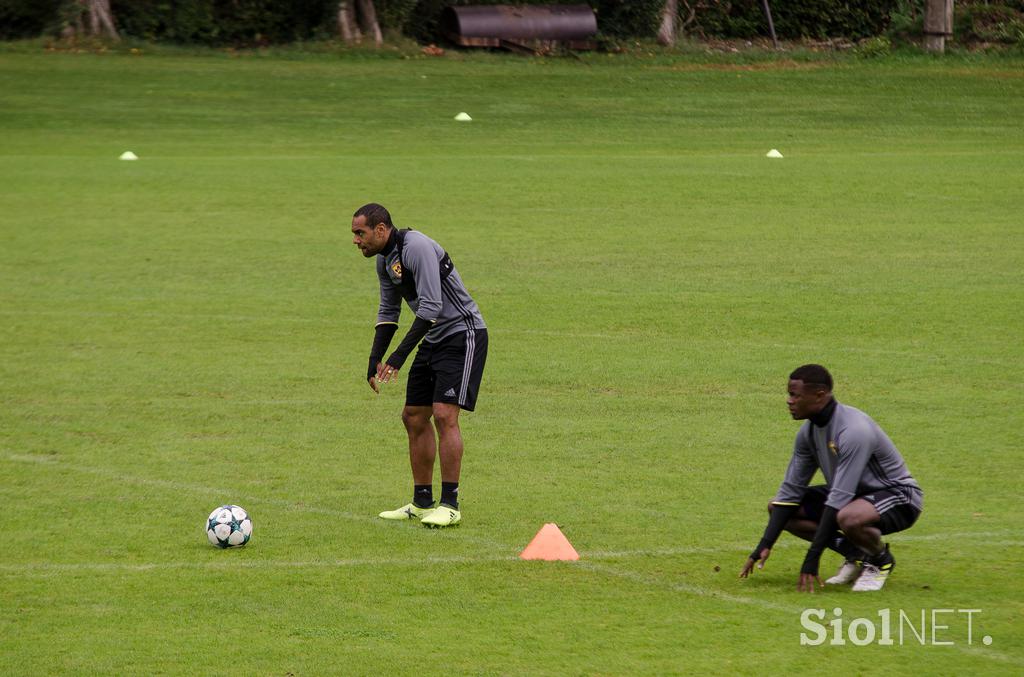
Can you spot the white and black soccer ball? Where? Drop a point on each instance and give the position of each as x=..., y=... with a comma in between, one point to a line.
x=229, y=526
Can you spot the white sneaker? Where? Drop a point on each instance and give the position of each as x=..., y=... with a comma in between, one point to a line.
x=847, y=573
x=872, y=577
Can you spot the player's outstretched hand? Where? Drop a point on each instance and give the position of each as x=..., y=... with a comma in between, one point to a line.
x=386, y=373
x=748, y=568
x=372, y=380
x=806, y=583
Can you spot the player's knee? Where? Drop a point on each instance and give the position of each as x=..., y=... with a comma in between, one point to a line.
x=851, y=520
x=414, y=420
x=446, y=416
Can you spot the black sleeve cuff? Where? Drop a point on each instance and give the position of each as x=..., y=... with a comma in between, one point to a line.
x=811, y=561
x=416, y=332
x=781, y=514
x=826, y=528
x=381, y=340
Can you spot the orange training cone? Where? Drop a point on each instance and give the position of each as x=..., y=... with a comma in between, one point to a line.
x=550, y=544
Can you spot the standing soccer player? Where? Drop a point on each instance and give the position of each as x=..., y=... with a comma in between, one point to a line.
x=445, y=375
x=868, y=492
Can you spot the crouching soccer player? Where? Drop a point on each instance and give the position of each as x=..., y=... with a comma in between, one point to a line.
x=445, y=374
x=868, y=492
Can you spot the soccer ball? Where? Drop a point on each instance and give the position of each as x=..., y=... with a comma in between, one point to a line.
x=228, y=526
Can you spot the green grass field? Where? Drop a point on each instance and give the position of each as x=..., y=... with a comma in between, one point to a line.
x=191, y=329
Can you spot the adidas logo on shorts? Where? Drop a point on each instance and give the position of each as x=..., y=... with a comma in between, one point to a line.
x=450, y=392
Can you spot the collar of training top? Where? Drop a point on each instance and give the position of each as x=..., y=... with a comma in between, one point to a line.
x=392, y=243
x=822, y=418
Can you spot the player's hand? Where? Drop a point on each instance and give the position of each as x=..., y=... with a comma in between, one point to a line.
x=748, y=568
x=386, y=373
x=372, y=380
x=806, y=583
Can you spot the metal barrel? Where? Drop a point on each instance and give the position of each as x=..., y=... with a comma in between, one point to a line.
x=467, y=25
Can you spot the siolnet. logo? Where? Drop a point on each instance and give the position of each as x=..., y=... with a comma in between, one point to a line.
x=929, y=627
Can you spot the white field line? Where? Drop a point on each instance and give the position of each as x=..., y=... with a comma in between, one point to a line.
x=44, y=569
x=370, y=519
x=794, y=609
x=688, y=588
x=788, y=544
x=574, y=335
x=587, y=557
x=221, y=494
x=596, y=567
x=129, y=315
x=609, y=155
x=772, y=345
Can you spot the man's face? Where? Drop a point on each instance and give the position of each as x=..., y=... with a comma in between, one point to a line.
x=805, y=399
x=370, y=239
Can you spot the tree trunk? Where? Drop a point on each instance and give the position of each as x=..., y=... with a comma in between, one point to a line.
x=347, y=22
x=357, y=18
x=368, y=15
x=669, y=23
x=101, y=19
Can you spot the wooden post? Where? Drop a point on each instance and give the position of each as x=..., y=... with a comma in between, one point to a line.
x=938, y=24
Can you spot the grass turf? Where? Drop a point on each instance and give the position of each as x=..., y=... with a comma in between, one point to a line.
x=191, y=329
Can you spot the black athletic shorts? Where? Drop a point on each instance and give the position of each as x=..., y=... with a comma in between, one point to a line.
x=893, y=505
x=448, y=371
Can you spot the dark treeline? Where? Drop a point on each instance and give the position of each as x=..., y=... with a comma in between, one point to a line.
x=255, y=22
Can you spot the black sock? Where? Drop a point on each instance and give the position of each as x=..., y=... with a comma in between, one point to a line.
x=847, y=549
x=423, y=495
x=450, y=494
x=882, y=558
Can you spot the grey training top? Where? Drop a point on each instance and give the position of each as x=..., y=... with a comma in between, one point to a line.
x=445, y=303
x=854, y=454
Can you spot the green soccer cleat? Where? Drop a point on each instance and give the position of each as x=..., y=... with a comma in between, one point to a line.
x=409, y=511
x=442, y=516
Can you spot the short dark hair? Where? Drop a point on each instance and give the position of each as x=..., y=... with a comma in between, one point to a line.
x=374, y=214
x=813, y=374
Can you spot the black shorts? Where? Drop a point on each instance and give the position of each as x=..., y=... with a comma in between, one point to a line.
x=893, y=505
x=448, y=371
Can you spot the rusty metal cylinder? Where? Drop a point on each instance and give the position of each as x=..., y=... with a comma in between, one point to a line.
x=519, y=22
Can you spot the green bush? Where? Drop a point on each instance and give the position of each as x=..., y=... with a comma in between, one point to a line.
x=628, y=18
x=394, y=14
x=215, y=22
x=793, y=18
x=907, y=19
x=27, y=18
x=988, y=23
x=869, y=48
